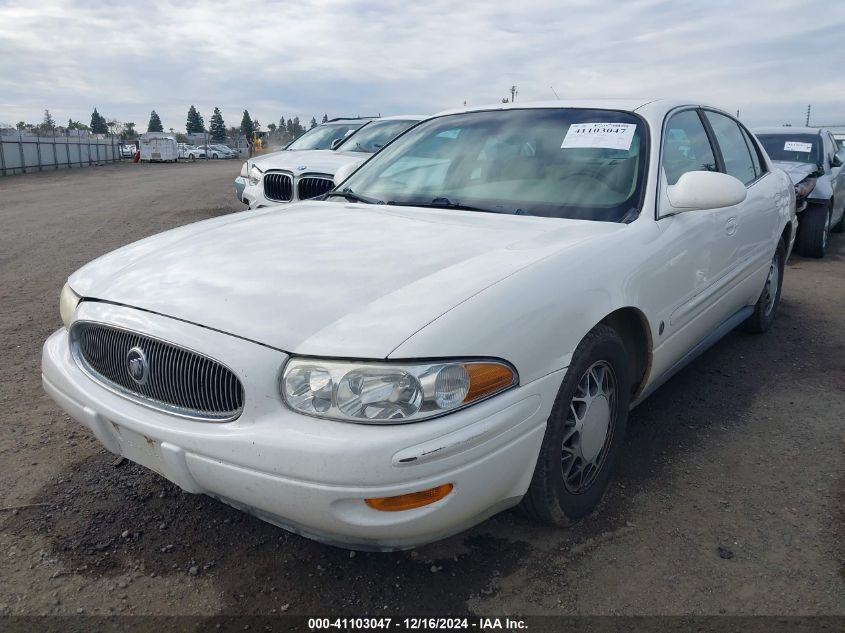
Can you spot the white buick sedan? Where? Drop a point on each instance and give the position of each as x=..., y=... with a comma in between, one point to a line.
x=461, y=327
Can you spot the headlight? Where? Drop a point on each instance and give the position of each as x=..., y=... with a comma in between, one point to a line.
x=803, y=188
x=255, y=175
x=389, y=393
x=68, y=301
x=245, y=170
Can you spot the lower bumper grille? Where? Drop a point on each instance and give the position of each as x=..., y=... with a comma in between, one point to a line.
x=156, y=373
x=278, y=187
x=313, y=186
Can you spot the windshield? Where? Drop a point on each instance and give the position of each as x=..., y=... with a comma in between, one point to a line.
x=795, y=148
x=372, y=137
x=557, y=162
x=321, y=137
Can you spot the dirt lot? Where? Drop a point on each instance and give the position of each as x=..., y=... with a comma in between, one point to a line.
x=741, y=451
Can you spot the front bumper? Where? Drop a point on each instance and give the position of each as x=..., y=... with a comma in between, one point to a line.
x=307, y=475
x=240, y=185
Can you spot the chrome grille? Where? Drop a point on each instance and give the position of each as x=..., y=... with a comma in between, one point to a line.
x=278, y=186
x=177, y=380
x=313, y=186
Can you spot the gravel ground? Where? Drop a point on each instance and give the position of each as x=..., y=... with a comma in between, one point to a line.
x=730, y=498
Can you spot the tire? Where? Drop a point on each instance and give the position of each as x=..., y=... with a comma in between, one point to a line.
x=814, y=228
x=599, y=360
x=193, y=158
x=766, y=307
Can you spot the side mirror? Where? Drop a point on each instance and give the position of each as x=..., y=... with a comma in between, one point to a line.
x=335, y=143
x=838, y=159
x=343, y=172
x=705, y=190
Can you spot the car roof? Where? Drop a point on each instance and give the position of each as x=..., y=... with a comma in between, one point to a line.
x=405, y=117
x=787, y=130
x=598, y=104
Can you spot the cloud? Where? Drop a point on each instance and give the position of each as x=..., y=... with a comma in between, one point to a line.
x=765, y=58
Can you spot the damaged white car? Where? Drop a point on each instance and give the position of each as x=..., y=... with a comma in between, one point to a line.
x=461, y=327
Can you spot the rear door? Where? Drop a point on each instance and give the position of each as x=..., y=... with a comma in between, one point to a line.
x=757, y=217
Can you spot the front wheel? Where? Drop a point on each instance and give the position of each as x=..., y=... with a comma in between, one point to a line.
x=584, y=432
x=814, y=228
x=767, y=305
x=839, y=227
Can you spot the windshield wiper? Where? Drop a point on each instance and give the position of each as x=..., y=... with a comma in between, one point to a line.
x=353, y=197
x=445, y=203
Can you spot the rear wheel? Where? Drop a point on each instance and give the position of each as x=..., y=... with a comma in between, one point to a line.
x=814, y=228
x=584, y=433
x=767, y=305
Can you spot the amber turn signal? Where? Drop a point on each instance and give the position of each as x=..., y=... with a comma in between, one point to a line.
x=486, y=378
x=411, y=500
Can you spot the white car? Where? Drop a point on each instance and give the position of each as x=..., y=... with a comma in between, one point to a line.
x=190, y=152
x=285, y=177
x=219, y=151
x=461, y=327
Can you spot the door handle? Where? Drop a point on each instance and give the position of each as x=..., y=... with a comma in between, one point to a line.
x=730, y=226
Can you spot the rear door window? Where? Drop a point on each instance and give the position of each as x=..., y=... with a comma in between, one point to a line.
x=735, y=152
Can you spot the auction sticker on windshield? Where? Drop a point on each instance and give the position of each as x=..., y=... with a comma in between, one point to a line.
x=795, y=146
x=599, y=135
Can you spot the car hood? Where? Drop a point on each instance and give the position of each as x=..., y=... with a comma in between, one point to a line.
x=327, y=278
x=796, y=171
x=309, y=161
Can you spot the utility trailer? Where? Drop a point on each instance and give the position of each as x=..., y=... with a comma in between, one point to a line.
x=158, y=148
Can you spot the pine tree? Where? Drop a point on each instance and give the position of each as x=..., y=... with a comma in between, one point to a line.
x=195, y=123
x=297, y=126
x=325, y=118
x=283, y=130
x=291, y=130
x=49, y=124
x=98, y=123
x=313, y=123
x=246, y=125
x=155, y=123
x=216, y=127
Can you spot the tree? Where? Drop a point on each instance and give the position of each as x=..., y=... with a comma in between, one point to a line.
x=325, y=118
x=217, y=127
x=195, y=123
x=256, y=125
x=155, y=123
x=98, y=123
x=272, y=128
x=298, y=130
x=114, y=125
x=313, y=123
x=49, y=124
x=77, y=125
x=283, y=130
x=129, y=130
x=21, y=126
x=246, y=125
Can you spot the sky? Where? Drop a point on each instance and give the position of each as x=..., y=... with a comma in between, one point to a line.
x=768, y=59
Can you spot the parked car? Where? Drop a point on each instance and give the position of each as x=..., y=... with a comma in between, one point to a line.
x=460, y=327
x=321, y=137
x=839, y=137
x=219, y=151
x=815, y=162
x=190, y=152
x=284, y=177
x=127, y=151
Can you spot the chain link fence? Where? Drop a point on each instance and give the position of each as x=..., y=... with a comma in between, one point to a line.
x=27, y=152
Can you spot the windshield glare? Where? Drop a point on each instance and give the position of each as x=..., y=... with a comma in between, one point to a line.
x=557, y=162
x=372, y=137
x=795, y=148
x=321, y=137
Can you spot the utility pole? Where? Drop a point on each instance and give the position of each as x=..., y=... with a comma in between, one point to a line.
x=807, y=123
x=514, y=92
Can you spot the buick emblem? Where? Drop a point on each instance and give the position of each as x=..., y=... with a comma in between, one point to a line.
x=137, y=366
